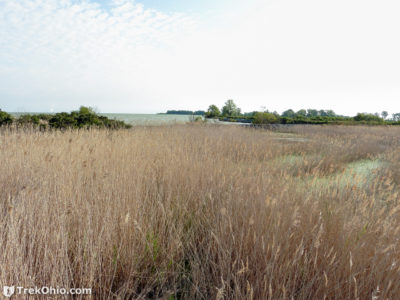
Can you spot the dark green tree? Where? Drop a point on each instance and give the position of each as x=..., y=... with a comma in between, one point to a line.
x=289, y=113
x=396, y=117
x=323, y=113
x=330, y=113
x=302, y=112
x=230, y=109
x=213, y=112
x=312, y=113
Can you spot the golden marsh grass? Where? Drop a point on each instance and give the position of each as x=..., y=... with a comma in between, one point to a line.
x=203, y=212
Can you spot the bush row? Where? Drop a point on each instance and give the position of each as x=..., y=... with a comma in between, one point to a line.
x=259, y=118
x=85, y=117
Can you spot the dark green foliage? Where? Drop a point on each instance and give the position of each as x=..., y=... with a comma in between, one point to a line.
x=309, y=116
x=302, y=112
x=250, y=114
x=288, y=113
x=32, y=119
x=5, y=118
x=368, y=118
x=312, y=113
x=230, y=109
x=64, y=120
x=231, y=113
x=330, y=113
x=265, y=118
x=186, y=112
x=213, y=112
x=85, y=117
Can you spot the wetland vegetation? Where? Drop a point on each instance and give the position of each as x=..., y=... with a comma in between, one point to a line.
x=202, y=211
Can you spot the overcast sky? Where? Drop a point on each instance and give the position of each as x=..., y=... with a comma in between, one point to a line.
x=148, y=56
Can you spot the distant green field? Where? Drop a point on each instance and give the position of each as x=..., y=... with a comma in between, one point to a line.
x=140, y=119
x=136, y=119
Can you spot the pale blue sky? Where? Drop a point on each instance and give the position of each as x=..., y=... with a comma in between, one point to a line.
x=191, y=6
x=149, y=56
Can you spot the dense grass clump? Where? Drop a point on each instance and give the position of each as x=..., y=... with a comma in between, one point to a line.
x=203, y=212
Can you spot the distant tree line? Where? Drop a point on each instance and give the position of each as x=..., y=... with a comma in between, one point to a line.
x=230, y=112
x=85, y=117
x=186, y=112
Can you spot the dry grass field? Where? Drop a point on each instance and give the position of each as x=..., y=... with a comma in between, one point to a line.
x=203, y=212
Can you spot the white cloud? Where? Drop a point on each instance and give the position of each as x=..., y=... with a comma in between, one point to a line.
x=275, y=53
x=65, y=51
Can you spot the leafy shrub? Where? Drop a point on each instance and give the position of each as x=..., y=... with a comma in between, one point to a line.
x=85, y=117
x=5, y=118
x=368, y=118
x=265, y=118
x=63, y=120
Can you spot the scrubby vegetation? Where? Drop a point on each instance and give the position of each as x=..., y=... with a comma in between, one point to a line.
x=231, y=113
x=203, y=212
x=265, y=118
x=85, y=117
x=5, y=118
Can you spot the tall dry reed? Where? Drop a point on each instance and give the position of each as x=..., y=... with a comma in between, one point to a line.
x=203, y=212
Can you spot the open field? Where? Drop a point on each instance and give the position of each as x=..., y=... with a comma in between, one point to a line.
x=203, y=212
x=137, y=119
